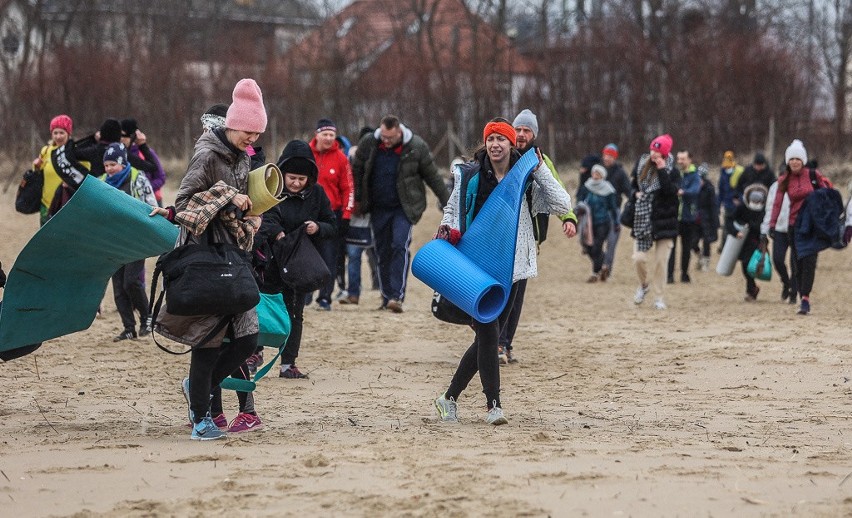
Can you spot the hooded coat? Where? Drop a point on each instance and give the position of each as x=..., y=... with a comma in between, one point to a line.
x=213, y=161
x=309, y=204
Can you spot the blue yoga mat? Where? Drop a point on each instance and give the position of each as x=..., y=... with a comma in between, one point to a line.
x=476, y=275
x=59, y=278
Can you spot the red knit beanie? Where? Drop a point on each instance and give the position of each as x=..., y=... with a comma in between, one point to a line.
x=501, y=128
x=663, y=144
x=246, y=112
x=61, y=121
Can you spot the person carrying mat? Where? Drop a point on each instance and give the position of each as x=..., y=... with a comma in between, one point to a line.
x=478, y=178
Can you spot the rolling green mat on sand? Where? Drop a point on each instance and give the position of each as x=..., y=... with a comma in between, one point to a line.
x=59, y=278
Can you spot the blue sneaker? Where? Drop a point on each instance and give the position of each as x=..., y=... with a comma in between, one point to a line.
x=184, y=385
x=206, y=430
x=805, y=308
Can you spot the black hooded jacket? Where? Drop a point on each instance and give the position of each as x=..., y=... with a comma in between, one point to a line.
x=309, y=204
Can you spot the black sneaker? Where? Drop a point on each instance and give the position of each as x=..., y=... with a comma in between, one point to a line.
x=684, y=277
x=125, y=335
x=144, y=330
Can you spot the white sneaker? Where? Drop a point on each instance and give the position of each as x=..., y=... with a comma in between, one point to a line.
x=641, y=291
x=495, y=416
x=448, y=409
x=659, y=304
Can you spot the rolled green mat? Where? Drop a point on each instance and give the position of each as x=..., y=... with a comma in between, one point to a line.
x=265, y=186
x=60, y=276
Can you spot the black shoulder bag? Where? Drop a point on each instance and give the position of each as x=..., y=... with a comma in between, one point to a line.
x=299, y=263
x=28, y=197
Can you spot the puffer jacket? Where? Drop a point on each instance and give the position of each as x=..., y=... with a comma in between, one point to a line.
x=335, y=177
x=213, y=161
x=416, y=170
x=798, y=187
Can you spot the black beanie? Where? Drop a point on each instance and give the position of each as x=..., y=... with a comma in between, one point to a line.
x=111, y=131
x=219, y=110
x=128, y=128
x=759, y=159
x=590, y=160
x=297, y=158
x=325, y=125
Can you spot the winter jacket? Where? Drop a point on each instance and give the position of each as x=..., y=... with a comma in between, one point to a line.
x=416, y=170
x=751, y=176
x=708, y=211
x=604, y=208
x=616, y=175
x=138, y=186
x=727, y=193
x=548, y=196
x=691, y=186
x=798, y=187
x=784, y=215
x=753, y=218
x=335, y=177
x=51, y=178
x=214, y=160
x=664, y=213
x=94, y=153
x=819, y=223
x=157, y=177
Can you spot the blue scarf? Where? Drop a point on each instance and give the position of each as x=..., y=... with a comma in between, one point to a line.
x=118, y=179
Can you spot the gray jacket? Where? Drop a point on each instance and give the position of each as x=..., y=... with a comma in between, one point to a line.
x=213, y=161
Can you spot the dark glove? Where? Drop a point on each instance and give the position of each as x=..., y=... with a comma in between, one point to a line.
x=847, y=235
x=3, y=275
x=772, y=233
x=449, y=234
x=343, y=227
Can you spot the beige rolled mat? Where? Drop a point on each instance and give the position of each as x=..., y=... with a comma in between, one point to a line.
x=265, y=185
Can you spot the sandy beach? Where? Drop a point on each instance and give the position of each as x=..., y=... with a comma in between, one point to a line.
x=715, y=407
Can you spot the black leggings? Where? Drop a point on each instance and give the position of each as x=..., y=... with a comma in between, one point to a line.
x=209, y=366
x=245, y=399
x=481, y=357
x=804, y=268
x=295, y=303
x=780, y=245
x=507, y=331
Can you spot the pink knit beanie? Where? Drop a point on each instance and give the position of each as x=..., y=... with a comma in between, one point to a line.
x=246, y=112
x=663, y=144
x=62, y=121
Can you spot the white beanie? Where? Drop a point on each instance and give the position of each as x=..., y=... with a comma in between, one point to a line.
x=599, y=168
x=528, y=119
x=796, y=150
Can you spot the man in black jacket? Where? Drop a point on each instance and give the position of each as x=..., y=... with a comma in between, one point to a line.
x=758, y=172
x=615, y=175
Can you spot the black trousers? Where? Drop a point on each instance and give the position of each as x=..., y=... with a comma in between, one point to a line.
x=600, y=234
x=780, y=245
x=295, y=303
x=481, y=357
x=804, y=268
x=507, y=331
x=129, y=293
x=209, y=366
x=689, y=233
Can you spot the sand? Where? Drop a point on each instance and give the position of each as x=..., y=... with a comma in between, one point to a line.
x=715, y=407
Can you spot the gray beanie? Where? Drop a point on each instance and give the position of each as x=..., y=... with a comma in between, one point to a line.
x=528, y=119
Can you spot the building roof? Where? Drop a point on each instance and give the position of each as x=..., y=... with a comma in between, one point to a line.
x=439, y=34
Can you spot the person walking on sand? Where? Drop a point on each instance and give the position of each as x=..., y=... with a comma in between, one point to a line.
x=391, y=168
x=491, y=162
x=616, y=176
x=656, y=182
x=219, y=172
x=798, y=182
x=601, y=198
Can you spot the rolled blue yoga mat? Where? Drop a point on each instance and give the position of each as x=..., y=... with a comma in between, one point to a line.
x=59, y=278
x=476, y=275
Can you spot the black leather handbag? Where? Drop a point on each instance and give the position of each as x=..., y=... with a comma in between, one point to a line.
x=628, y=214
x=206, y=279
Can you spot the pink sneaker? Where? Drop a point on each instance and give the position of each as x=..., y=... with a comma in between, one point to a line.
x=245, y=423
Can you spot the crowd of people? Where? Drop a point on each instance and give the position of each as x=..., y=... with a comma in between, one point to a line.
x=366, y=197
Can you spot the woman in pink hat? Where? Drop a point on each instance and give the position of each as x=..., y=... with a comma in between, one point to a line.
x=655, y=184
x=219, y=168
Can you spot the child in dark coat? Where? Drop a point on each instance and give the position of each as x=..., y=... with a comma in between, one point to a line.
x=305, y=203
x=602, y=200
x=750, y=213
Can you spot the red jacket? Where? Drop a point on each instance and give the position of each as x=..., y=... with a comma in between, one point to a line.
x=335, y=177
x=798, y=188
